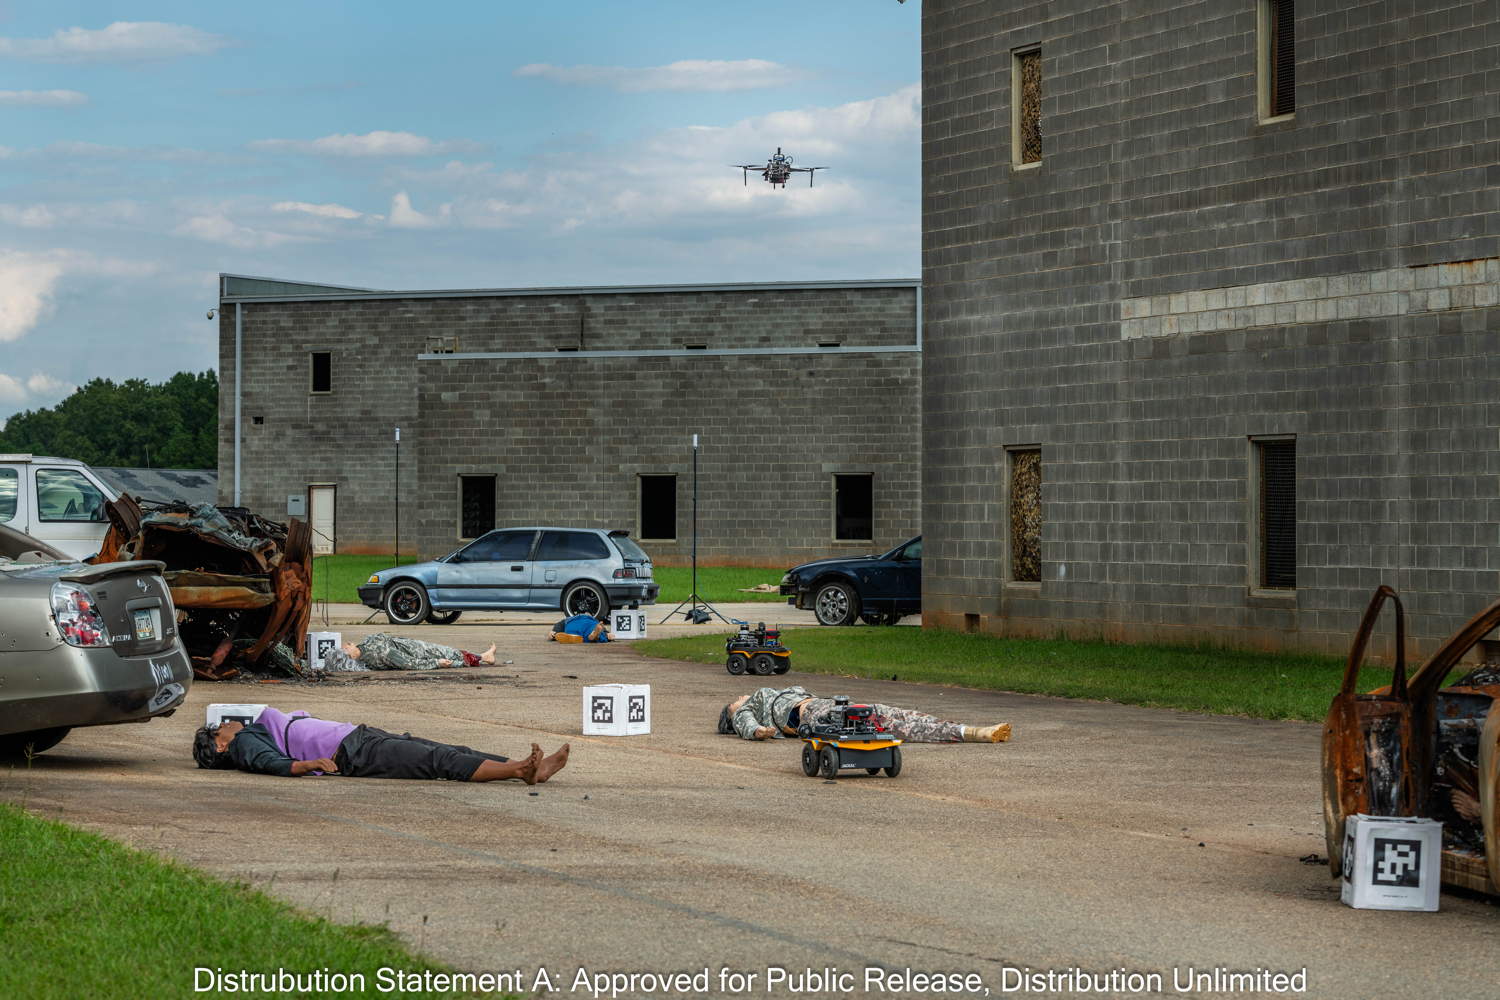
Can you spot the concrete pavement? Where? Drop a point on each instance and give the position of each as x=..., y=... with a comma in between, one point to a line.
x=1101, y=838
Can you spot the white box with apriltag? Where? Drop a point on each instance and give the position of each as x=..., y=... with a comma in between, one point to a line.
x=1392, y=862
x=319, y=645
x=223, y=712
x=627, y=624
x=616, y=709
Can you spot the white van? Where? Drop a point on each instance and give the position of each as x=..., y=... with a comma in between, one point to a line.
x=57, y=500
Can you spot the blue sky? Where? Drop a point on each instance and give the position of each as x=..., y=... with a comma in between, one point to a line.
x=146, y=147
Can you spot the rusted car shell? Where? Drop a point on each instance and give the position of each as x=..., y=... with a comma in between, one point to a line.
x=242, y=583
x=1392, y=751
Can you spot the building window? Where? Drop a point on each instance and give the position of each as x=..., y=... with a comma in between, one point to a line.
x=1277, y=45
x=658, y=520
x=1275, y=512
x=322, y=371
x=476, y=505
x=1026, y=106
x=854, y=507
x=1026, y=515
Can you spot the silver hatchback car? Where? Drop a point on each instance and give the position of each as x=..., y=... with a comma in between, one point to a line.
x=86, y=645
x=572, y=570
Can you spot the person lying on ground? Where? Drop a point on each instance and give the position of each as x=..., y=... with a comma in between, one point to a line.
x=580, y=628
x=298, y=744
x=382, y=651
x=771, y=713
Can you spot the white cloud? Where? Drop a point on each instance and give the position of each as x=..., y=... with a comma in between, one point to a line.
x=403, y=216
x=27, y=284
x=327, y=211
x=685, y=74
x=83, y=214
x=123, y=41
x=219, y=228
x=42, y=98
x=38, y=390
x=12, y=391
x=679, y=180
x=371, y=144
x=41, y=385
x=28, y=216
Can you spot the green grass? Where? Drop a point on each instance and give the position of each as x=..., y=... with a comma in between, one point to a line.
x=716, y=584
x=1194, y=678
x=81, y=915
x=336, y=577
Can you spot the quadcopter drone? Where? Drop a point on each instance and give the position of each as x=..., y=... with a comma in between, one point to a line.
x=777, y=170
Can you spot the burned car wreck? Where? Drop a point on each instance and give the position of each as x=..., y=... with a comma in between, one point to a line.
x=1419, y=748
x=242, y=584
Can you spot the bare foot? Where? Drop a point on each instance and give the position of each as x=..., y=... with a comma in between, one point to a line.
x=488, y=656
x=528, y=769
x=551, y=765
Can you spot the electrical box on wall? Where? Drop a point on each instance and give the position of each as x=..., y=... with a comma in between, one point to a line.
x=296, y=505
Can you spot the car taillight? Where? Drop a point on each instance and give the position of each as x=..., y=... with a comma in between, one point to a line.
x=77, y=618
x=626, y=573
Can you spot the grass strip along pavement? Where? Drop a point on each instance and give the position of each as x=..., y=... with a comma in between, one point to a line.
x=81, y=915
x=1194, y=678
x=337, y=577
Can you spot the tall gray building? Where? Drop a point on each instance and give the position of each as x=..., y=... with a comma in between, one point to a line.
x=1211, y=316
x=577, y=406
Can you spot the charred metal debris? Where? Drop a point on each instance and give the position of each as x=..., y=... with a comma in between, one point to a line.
x=1419, y=748
x=242, y=584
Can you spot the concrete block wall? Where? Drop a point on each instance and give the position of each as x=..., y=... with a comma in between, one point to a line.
x=1178, y=277
x=568, y=434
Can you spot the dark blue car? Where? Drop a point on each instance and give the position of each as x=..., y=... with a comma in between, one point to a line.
x=878, y=590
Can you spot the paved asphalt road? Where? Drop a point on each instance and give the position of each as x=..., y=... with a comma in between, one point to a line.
x=1101, y=838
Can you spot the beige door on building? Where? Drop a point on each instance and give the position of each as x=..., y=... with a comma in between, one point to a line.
x=320, y=514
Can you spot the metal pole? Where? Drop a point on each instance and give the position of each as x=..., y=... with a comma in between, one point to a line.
x=397, y=560
x=239, y=327
x=695, y=522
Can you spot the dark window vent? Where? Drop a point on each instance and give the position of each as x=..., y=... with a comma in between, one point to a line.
x=1026, y=516
x=1278, y=514
x=1030, y=118
x=1283, y=57
x=322, y=371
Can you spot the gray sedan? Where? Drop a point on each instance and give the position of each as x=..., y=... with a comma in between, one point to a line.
x=574, y=570
x=87, y=645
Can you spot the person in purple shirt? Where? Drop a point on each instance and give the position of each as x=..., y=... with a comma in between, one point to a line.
x=298, y=744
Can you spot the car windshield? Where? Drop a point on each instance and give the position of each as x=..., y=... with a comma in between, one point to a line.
x=628, y=548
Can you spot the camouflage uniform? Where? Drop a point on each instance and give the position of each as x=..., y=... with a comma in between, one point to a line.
x=393, y=652
x=773, y=707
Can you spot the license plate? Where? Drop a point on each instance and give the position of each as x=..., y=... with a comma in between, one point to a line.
x=145, y=624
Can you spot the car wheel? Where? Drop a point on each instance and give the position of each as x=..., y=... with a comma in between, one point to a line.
x=735, y=664
x=585, y=599
x=895, y=766
x=836, y=604
x=22, y=745
x=763, y=664
x=828, y=762
x=442, y=617
x=809, y=760
x=406, y=603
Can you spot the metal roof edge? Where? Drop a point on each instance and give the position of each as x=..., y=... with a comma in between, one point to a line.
x=459, y=293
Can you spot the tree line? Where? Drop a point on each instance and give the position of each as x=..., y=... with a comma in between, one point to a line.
x=134, y=423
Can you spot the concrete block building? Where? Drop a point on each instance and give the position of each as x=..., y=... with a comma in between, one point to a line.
x=1212, y=316
x=577, y=406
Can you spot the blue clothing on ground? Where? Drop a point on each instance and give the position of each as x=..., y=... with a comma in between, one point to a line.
x=584, y=625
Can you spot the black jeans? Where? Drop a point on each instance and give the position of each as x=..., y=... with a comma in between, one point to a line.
x=374, y=753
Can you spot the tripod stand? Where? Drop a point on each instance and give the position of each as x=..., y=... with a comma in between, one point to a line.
x=701, y=611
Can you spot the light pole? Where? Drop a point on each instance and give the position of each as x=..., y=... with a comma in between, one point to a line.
x=396, y=560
